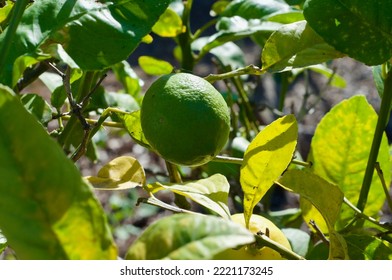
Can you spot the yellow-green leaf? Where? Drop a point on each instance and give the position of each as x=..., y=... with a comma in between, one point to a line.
x=169, y=24
x=154, y=66
x=340, y=149
x=211, y=192
x=47, y=210
x=188, y=237
x=267, y=156
x=327, y=198
x=121, y=173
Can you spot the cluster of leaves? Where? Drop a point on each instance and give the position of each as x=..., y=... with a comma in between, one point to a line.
x=42, y=191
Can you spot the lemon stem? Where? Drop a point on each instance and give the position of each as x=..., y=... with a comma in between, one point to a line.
x=175, y=177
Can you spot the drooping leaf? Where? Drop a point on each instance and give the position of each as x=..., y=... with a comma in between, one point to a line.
x=37, y=106
x=43, y=194
x=333, y=78
x=295, y=45
x=360, y=29
x=169, y=24
x=120, y=173
x=211, y=192
x=299, y=240
x=340, y=149
x=94, y=35
x=365, y=247
x=265, y=159
x=154, y=66
x=188, y=237
x=325, y=197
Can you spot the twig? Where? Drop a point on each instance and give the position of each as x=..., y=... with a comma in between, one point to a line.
x=384, y=185
x=319, y=232
x=86, y=99
x=156, y=202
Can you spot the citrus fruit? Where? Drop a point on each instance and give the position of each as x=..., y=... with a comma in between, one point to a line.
x=257, y=223
x=185, y=119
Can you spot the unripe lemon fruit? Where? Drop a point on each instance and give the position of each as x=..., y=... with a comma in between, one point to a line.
x=257, y=224
x=185, y=119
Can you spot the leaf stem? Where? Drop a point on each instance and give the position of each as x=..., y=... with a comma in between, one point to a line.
x=234, y=160
x=384, y=185
x=386, y=102
x=247, y=70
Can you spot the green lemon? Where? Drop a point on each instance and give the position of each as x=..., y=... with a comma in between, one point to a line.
x=257, y=224
x=185, y=119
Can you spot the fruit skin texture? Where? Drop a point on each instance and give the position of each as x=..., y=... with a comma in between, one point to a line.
x=257, y=223
x=185, y=119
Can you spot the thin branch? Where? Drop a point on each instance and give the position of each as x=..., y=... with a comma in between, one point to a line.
x=319, y=232
x=384, y=185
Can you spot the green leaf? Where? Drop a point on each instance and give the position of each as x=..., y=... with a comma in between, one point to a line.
x=228, y=54
x=4, y=11
x=188, y=237
x=365, y=247
x=333, y=78
x=299, y=240
x=255, y=9
x=265, y=159
x=360, y=29
x=169, y=24
x=120, y=173
x=340, y=149
x=43, y=194
x=128, y=78
x=154, y=66
x=211, y=192
x=94, y=35
x=237, y=28
x=37, y=106
x=295, y=45
x=131, y=122
x=325, y=197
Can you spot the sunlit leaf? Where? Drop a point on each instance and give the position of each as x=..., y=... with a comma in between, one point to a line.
x=325, y=197
x=120, y=173
x=340, y=149
x=169, y=24
x=211, y=192
x=251, y=9
x=154, y=66
x=265, y=159
x=188, y=237
x=360, y=29
x=131, y=122
x=44, y=195
x=295, y=45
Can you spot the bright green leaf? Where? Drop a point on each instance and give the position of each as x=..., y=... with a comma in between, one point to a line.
x=169, y=24
x=154, y=66
x=188, y=237
x=120, y=173
x=211, y=192
x=265, y=159
x=4, y=11
x=37, y=106
x=43, y=194
x=340, y=149
x=325, y=197
x=333, y=78
x=95, y=35
x=360, y=29
x=295, y=45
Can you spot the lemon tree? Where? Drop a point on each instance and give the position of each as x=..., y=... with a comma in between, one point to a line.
x=258, y=224
x=185, y=119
